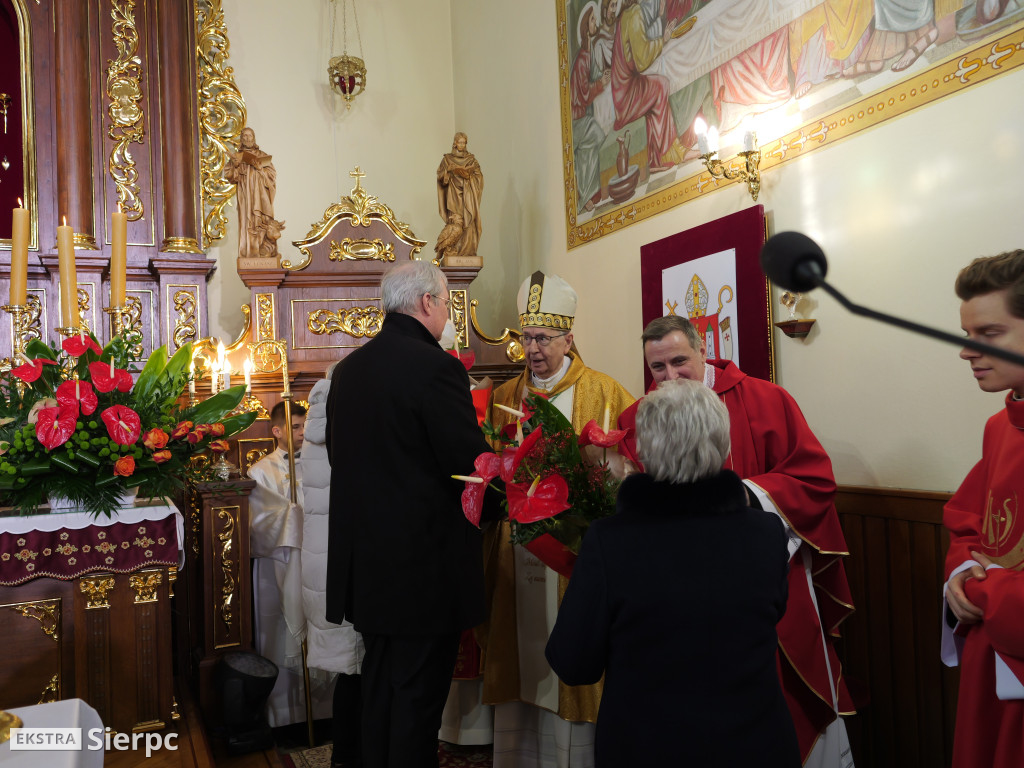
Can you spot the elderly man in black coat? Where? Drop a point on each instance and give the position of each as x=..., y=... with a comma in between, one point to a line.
x=404, y=565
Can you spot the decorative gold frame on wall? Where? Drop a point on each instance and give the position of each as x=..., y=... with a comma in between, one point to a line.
x=28, y=121
x=966, y=67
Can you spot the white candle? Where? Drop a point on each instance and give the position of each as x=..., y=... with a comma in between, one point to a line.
x=749, y=141
x=19, y=254
x=214, y=378
x=701, y=129
x=227, y=377
x=247, y=368
x=712, y=139
x=220, y=356
x=68, y=279
x=192, y=378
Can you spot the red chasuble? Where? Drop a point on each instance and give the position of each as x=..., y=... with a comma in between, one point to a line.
x=985, y=516
x=773, y=448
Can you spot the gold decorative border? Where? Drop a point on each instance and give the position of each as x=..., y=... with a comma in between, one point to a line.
x=184, y=303
x=459, y=305
x=46, y=612
x=225, y=541
x=266, y=318
x=126, y=114
x=358, y=322
x=964, y=69
x=28, y=121
x=360, y=249
x=252, y=450
x=222, y=115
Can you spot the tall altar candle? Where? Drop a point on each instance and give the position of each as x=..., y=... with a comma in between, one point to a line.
x=68, y=278
x=19, y=254
x=118, y=256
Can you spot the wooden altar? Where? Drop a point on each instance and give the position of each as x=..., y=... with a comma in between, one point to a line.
x=86, y=607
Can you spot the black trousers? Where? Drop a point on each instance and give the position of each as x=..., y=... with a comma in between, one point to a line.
x=405, y=683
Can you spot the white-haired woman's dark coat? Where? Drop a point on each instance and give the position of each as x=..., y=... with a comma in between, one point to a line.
x=675, y=600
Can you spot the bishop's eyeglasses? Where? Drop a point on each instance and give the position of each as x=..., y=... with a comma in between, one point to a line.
x=540, y=339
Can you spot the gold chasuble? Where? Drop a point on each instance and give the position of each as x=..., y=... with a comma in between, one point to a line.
x=592, y=391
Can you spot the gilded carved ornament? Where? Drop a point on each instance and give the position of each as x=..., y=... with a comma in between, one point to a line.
x=95, y=589
x=222, y=115
x=126, y=116
x=145, y=585
x=46, y=612
x=357, y=322
x=226, y=538
x=509, y=336
x=360, y=209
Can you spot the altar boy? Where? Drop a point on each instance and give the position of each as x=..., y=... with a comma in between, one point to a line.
x=275, y=541
x=984, y=627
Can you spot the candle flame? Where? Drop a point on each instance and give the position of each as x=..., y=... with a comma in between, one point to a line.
x=65, y=219
x=20, y=204
x=119, y=208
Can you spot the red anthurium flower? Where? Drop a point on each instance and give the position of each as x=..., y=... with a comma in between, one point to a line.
x=543, y=499
x=592, y=434
x=77, y=394
x=31, y=370
x=124, y=380
x=155, y=439
x=77, y=346
x=101, y=377
x=466, y=356
x=125, y=466
x=219, y=446
x=181, y=430
x=55, y=426
x=123, y=424
x=509, y=465
x=161, y=456
x=486, y=468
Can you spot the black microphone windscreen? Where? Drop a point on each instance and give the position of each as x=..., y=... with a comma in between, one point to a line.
x=793, y=261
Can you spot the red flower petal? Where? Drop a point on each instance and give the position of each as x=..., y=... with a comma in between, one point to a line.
x=466, y=356
x=55, y=426
x=528, y=409
x=79, y=345
x=31, y=370
x=508, y=464
x=524, y=449
x=550, y=497
x=473, y=502
x=592, y=434
x=161, y=456
x=487, y=466
x=124, y=380
x=85, y=397
x=123, y=424
x=101, y=378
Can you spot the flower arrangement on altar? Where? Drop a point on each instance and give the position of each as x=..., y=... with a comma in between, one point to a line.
x=552, y=490
x=76, y=424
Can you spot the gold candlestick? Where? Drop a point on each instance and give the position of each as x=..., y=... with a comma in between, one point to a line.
x=116, y=319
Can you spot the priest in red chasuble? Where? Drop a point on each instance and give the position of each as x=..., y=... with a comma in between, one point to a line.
x=524, y=593
x=786, y=471
x=983, y=630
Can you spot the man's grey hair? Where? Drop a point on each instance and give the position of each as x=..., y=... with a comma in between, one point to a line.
x=660, y=327
x=404, y=285
x=682, y=432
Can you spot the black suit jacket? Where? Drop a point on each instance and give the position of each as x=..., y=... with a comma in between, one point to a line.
x=401, y=556
x=675, y=599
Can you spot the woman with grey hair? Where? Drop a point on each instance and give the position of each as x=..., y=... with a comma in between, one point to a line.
x=674, y=599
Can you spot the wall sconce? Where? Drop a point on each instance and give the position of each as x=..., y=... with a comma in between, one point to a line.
x=794, y=327
x=707, y=143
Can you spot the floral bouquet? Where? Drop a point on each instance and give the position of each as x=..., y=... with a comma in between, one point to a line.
x=552, y=491
x=79, y=426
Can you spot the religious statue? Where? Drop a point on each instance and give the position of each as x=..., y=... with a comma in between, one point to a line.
x=253, y=172
x=460, y=185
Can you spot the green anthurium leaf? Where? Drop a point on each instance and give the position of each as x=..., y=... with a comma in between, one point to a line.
x=150, y=377
x=214, y=408
x=172, y=383
x=238, y=423
x=37, y=348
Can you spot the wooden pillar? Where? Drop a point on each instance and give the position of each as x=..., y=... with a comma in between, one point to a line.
x=74, y=121
x=177, y=125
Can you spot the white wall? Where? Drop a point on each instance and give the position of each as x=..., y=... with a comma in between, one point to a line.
x=899, y=210
x=396, y=131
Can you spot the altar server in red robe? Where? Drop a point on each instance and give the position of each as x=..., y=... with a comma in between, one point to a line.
x=985, y=587
x=785, y=471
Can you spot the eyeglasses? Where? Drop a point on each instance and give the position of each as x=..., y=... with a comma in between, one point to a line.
x=445, y=299
x=542, y=340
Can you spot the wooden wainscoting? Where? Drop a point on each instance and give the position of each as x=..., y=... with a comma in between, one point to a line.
x=890, y=645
